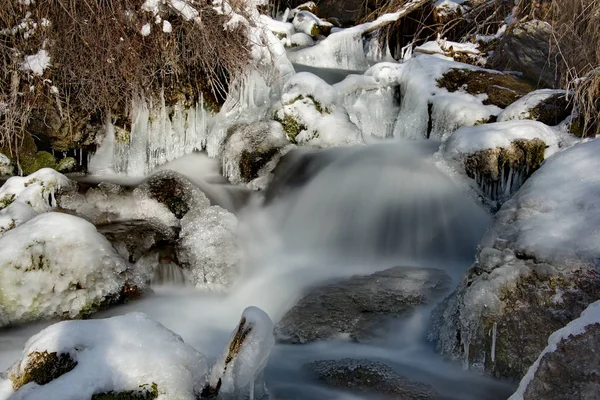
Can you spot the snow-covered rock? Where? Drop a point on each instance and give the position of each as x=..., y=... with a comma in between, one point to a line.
x=549, y=106
x=567, y=367
x=108, y=203
x=252, y=150
x=21, y=198
x=308, y=23
x=536, y=270
x=468, y=53
x=207, y=247
x=129, y=356
x=238, y=373
x=440, y=95
x=56, y=265
x=310, y=115
x=500, y=156
x=6, y=168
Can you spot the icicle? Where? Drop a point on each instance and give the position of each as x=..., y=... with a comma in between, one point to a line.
x=493, y=353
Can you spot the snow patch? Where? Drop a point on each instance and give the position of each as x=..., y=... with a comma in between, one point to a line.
x=36, y=63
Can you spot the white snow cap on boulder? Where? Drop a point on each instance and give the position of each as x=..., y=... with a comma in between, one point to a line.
x=56, y=265
x=119, y=354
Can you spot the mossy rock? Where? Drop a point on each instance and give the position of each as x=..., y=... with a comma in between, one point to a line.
x=530, y=316
x=491, y=168
x=42, y=368
x=41, y=159
x=6, y=201
x=67, y=164
x=502, y=89
x=291, y=126
x=553, y=110
x=146, y=392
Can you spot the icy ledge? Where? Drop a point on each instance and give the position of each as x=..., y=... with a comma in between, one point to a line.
x=132, y=356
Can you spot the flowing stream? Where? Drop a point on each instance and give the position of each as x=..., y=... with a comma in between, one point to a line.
x=329, y=214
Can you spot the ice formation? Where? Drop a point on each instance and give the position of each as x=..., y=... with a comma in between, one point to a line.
x=238, y=373
x=504, y=149
x=56, y=265
x=372, y=100
x=159, y=134
x=590, y=316
x=129, y=353
x=36, y=63
x=208, y=247
x=423, y=102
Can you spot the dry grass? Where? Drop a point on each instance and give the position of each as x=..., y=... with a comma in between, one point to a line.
x=100, y=61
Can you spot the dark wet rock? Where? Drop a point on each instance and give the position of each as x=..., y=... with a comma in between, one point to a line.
x=296, y=169
x=369, y=376
x=359, y=306
x=526, y=48
x=501, y=89
x=174, y=191
x=571, y=371
x=133, y=239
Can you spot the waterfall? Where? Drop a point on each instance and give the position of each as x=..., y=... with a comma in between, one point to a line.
x=168, y=274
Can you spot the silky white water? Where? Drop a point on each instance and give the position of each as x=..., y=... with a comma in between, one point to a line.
x=361, y=210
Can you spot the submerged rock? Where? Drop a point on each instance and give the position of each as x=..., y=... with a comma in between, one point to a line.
x=369, y=376
x=568, y=366
x=358, y=306
x=536, y=270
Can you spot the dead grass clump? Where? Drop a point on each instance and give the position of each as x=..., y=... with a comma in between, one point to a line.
x=100, y=60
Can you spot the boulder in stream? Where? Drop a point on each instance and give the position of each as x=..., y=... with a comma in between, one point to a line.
x=536, y=269
x=357, y=307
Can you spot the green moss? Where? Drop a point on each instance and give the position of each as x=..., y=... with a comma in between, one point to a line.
x=502, y=89
x=122, y=135
x=41, y=159
x=319, y=107
x=291, y=127
x=66, y=164
x=42, y=368
x=145, y=392
x=7, y=201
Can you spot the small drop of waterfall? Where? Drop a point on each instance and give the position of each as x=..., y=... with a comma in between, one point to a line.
x=168, y=274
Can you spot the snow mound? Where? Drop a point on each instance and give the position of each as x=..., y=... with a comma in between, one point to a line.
x=590, y=316
x=5, y=164
x=239, y=371
x=208, y=248
x=21, y=198
x=56, y=265
x=129, y=353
